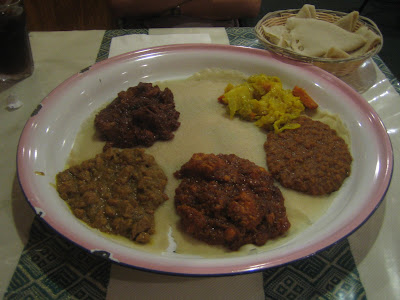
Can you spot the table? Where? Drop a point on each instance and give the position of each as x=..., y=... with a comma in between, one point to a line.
x=38, y=263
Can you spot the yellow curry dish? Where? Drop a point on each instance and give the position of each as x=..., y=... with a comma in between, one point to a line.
x=263, y=100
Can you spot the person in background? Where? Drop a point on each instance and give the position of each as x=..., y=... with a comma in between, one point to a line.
x=182, y=13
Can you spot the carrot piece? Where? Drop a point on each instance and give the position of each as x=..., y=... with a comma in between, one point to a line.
x=221, y=99
x=307, y=101
x=267, y=86
x=252, y=115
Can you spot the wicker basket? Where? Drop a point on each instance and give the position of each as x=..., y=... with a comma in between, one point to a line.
x=338, y=67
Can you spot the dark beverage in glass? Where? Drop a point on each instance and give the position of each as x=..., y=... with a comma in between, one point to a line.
x=15, y=51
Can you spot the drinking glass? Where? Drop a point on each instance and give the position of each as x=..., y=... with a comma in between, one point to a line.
x=16, y=61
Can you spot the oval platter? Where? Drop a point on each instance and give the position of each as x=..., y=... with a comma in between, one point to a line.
x=49, y=135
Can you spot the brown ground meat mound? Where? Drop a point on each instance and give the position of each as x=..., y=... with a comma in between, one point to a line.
x=116, y=192
x=139, y=116
x=312, y=158
x=230, y=201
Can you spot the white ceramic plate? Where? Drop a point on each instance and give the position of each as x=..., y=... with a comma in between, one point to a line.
x=49, y=134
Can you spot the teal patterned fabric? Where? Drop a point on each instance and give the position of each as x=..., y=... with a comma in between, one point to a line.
x=240, y=36
x=109, y=34
x=331, y=274
x=385, y=70
x=51, y=267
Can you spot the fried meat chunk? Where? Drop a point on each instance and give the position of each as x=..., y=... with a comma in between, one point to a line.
x=227, y=200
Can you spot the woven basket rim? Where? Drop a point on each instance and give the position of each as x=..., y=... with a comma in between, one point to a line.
x=294, y=55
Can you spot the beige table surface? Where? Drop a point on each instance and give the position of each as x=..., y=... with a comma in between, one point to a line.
x=375, y=246
x=66, y=56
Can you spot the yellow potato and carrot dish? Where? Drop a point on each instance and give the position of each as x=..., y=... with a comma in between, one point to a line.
x=263, y=100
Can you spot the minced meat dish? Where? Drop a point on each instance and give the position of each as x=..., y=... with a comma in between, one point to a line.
x=116, y=192
x=229, y=201
x=312, y=158
x=138, y=117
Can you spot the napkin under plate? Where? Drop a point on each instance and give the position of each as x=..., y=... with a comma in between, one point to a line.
x=132, y=42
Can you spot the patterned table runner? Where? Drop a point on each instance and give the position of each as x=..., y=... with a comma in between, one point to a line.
x=52, y=267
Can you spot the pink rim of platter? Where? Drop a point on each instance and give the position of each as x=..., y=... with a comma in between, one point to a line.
x=371, y=148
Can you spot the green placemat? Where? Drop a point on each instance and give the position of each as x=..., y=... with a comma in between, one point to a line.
x=330, y=274
x=51, y=267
